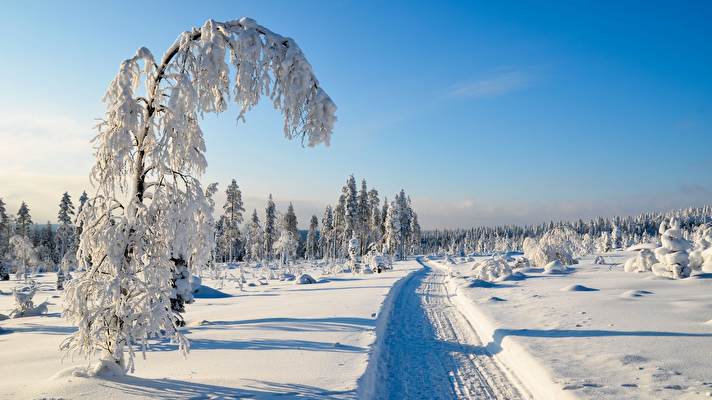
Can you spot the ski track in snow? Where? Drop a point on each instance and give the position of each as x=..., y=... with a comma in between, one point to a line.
x=432, y=352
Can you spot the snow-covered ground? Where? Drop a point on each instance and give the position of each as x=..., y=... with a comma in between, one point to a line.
x=595, y=332
x=280, y=340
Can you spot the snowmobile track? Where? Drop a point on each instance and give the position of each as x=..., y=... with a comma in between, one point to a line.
x=430, y=350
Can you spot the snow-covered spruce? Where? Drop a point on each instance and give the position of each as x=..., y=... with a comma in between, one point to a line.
x=673, y=258
x=149, y=158
x=642, y=262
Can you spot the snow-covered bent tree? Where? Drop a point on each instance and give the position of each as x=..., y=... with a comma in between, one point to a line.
x=149, y=157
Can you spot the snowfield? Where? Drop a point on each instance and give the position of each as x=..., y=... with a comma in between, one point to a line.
x=594, y=332
x=279, y=340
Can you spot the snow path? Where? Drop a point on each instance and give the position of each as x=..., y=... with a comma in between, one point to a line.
x=430, y=350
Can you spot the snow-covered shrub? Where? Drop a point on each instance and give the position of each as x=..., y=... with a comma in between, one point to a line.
x=492, y=269
x=555, y=267
x=673, y=258
x=24, y=306
x=599, y=260
x=642, y=262
x=560, y=244
x=521, y=262
x=305, y=279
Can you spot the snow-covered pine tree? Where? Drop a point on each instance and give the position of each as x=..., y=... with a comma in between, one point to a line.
x=384, y=213
x=311, y=248
x=415, y=232
x=375, y=222
x=392, y=238
x=351, y=214
x=23, y=222
x=4, y=229
x=66, y=229
x=149, y=157
x=405, y=220
x=290, y=221
x=82, y=200
x=364, y=213
x=254, y=247
x=326, y=239
x=233, y=210
x=287, y=243
x=47, y=248
x=340, y=243
x=270, y=229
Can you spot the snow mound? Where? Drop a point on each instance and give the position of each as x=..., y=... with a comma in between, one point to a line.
x=305, y=279
x=100, y=369
x=494, y=299
x=206, y=292
x=555, y=267
x=599, y=260
x=479, y=283
x=578, y=288
x=635, y=293
x=287, y=277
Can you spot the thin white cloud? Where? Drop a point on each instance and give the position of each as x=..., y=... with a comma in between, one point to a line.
x=500, y=83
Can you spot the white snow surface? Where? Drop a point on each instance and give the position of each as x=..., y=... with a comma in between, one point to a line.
x=632, y=336
x=269, y=341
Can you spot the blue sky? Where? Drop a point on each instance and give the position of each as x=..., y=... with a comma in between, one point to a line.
x=485, y=113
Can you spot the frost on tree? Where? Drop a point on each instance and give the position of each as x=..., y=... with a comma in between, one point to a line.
x=149, y=156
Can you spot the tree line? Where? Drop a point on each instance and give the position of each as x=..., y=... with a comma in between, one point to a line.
x=379, y=226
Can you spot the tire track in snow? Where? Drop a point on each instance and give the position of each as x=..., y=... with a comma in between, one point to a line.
x=430, y=351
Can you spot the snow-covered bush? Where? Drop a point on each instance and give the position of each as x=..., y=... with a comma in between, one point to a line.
x=560, y=244
x=521, y=262
x=642, y=262
x=24, y=306
x=149, y=208
x=673, y=258
x=492, y=269
x=24, y=256
x=555, y=267
x=599, y=260
x=305, y=279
